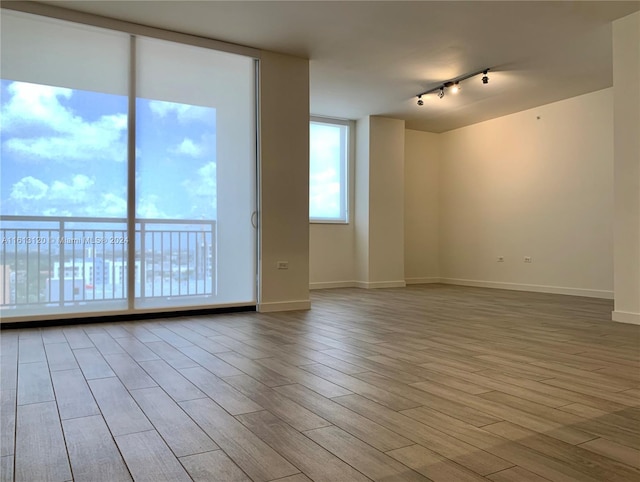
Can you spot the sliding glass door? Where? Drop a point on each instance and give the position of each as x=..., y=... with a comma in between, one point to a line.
x=127, y=173
x=195, y=175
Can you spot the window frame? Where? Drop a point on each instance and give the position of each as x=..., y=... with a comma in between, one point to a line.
x=345, y=164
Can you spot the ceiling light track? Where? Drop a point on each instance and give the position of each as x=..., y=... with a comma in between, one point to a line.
x=453, y=84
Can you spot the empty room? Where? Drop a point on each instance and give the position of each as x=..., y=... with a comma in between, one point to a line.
x=320, y=241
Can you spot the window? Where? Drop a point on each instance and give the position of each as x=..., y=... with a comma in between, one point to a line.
x=89, y=223
x=328, y=158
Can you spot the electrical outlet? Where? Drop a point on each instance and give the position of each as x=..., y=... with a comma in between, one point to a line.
x=282, y=265
x=500, y=259
x=527, y=259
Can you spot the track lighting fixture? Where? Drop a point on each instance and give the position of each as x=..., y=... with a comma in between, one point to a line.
x=453, y=84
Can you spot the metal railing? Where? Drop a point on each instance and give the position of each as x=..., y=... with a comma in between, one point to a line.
x=56, y=261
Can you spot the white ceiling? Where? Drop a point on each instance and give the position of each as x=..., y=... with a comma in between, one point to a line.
x=373, y=57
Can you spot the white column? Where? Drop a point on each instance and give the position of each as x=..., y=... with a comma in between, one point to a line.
x=626, y=87
x=380, y=203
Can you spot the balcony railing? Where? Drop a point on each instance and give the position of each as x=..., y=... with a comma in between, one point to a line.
x=61, y=261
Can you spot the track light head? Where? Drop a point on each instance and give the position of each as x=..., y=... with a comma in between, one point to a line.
x=453, y=84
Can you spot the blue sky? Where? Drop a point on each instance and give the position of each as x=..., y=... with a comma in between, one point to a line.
x=64, y=153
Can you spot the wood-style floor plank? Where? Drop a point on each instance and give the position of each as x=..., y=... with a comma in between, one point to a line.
x=574, y=456
x=6, y=468
x=355, y=385
x=53, y=335
x=120, y=411
x=136, y=349
x=104, y=343
x=366, y=429
x=614, y=451
x=149, y=459
x=371, y=462
x=40, y=449
x=211, y=362
x=73, y=395
x=77, y=338
x=255, y=370
x=34, y=383
x=92, y=451
x=516, y=474
x=31, y=350
x=92, y=363
x=506, y=412
x=429, y=382
x=448, y=406
x=212, y=466
x=260, y=461
x=171, y=381
x=60, y=356
x=221, y=392
x=295, y=415
x=439, y=441
x=171, y=355
x=181, y=434
x=7, y=422
x=313, y=460
x=129, y=372
x=313, y=382
x=432, y=465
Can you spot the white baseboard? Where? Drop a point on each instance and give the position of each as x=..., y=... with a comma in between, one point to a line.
x=626, y=317
x=380, y=284
x=558, y=290
x=323, y=285
x=272, y=306
x=421, y=281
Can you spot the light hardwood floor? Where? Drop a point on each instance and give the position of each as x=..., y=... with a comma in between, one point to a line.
x=428, y=382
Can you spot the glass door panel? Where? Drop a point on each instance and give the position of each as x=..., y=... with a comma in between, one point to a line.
x=63, y=167
x=195, y=177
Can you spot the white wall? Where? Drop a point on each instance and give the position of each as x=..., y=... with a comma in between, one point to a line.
x=284, y=182
x=515, y=186
x=421, y=207
x=626, y=86
x=332, y=261
x=538, y=183
x=331, y=255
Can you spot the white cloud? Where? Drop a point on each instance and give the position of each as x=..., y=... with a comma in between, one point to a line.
x=184, y=112
x=77, y=196
x=111, y=206
x=188, y=148
x=36, y=125
x=202, y=191
x=80, y=190
x=28, y=188
x=147, y=208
